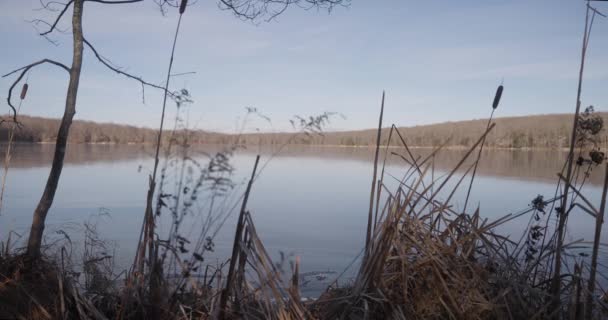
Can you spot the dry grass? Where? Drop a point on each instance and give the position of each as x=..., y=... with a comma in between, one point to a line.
x=41, y=290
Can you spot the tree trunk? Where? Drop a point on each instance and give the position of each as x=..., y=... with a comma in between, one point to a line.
x=37, y=229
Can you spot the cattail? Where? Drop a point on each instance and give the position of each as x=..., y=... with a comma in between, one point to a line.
x=182, y=7
x=497, y=97
x=24, y=91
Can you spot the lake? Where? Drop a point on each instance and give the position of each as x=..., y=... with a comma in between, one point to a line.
x=308, y=201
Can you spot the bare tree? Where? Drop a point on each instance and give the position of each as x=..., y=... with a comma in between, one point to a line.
x=266, y=10
x=41, y=211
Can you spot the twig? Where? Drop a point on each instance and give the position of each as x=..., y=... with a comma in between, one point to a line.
x=137, y=78
x=65, y=8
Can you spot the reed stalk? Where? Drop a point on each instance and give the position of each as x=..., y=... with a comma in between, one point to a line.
x=497, y=97
x=599, y=221
x=561, y=215
x=236, y=246
x=374, y=182
x=147, y=230
x=381, y=180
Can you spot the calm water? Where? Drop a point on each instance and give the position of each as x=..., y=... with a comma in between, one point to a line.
x=308, y=202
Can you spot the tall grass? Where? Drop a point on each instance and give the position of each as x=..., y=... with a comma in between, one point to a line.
x=9, y=144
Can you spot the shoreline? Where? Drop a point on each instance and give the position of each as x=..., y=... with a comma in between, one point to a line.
x=454, y=148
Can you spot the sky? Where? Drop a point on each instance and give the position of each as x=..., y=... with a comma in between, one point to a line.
x=437, y=60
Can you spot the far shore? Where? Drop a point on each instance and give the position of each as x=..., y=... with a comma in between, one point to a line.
x=456, y=148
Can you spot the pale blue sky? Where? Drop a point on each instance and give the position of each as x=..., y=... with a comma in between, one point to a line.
x=437, y=60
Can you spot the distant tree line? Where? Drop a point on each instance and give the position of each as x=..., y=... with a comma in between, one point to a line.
x=550, y=131
x=44, y=130
x=538, y=131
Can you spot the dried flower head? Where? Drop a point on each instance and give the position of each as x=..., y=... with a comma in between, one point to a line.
x=497, y=97
x=24, y=91
x=182, y=6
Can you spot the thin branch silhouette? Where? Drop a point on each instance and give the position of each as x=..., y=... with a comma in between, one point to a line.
x=24, y=70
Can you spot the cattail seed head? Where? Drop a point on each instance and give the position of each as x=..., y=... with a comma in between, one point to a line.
x=497, y=97
x=24, y=91
x=182, y=6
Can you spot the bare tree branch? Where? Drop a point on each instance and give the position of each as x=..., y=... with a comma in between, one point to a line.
x=65, y=8
x=114, y=2
x=105, y=62
x=256, y=9
x=36, y=22
x=24, y=70
x=47, y=5
x=171, y=3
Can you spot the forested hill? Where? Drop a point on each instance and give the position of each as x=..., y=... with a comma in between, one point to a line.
x=537, y=131
x=44, y=130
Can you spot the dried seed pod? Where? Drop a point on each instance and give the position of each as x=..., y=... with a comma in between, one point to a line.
x=497, y=97
x=24, y=91
x=182, y=6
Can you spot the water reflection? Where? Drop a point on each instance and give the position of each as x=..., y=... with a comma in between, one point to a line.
x=539, y=165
